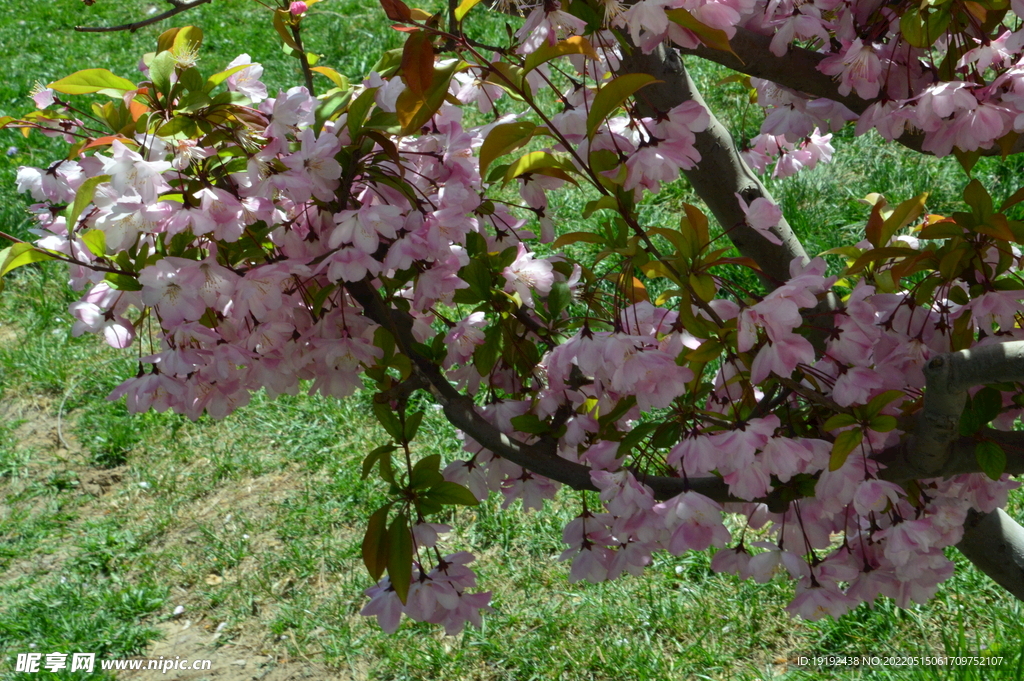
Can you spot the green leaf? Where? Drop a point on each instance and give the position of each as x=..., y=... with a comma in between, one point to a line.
x=160, y=71
x=707, y=351
x=838, y=421
x=541, y=162
x=375, y=456
x=93, y=81
x=463, y=9
x=21, y=254
x=412, y=424
x=612, y=95
x=882, y=423
x=122, y=282
x=530, y=423
x=192, y=80
x=375, y=543
x=987, y=403
x=969, y=422
x=426, y=472
x=96, y=241
x=400, y=556
x=574, y=237
x=219, y=77
x=599, y=204
x=83, y=197
x=504, y=139
x=991, y=458
x=478, y=276
x=845, y=443
x=881, y=401
x=923, y=29
x=387, y=418
x=634, y=437
x=559, y=298
x=452, y=494
x=485, y=356
x=335, y=77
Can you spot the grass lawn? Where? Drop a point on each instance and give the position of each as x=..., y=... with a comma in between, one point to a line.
x=238, y=541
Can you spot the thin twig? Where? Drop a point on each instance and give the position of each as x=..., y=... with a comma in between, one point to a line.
x=178, y=8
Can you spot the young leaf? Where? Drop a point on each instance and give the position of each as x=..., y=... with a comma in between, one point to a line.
x=374, y=456
x=841, y=448
x=20, y=254
x=612, y=95
x=96, y=241
x=281, y=19
x=838, y=421
x=83, y=197
x=577, y=44
x=463, y=9
x=396, y=10
x=452, y=494
x=991, y=458
x=902, y=216
x=504, y=139
x=426, y=472
x=336, y=78
x=400, y=556
x=375, y=543
x=881, y=401
x=93, y=81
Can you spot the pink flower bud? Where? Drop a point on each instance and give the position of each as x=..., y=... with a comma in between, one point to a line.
x=298, y=8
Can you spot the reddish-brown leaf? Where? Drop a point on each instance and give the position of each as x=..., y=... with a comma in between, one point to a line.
x=396, y=10
x=418, y=62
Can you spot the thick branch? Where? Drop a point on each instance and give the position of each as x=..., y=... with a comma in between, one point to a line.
x=178, y=7
x=797, y=69
x=949, y=377
x=960, y=458
x=721, y=173
x=994, y=542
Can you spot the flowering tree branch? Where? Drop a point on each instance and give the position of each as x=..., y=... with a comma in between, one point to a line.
x=798, y=70
x=541, y=457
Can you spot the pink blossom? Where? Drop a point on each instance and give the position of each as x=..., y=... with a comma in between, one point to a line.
x=812, y=602
x=858, y=68
x=761, y=215
x=527, y=274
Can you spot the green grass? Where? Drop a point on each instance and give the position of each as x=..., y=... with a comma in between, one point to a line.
x=253, y=524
